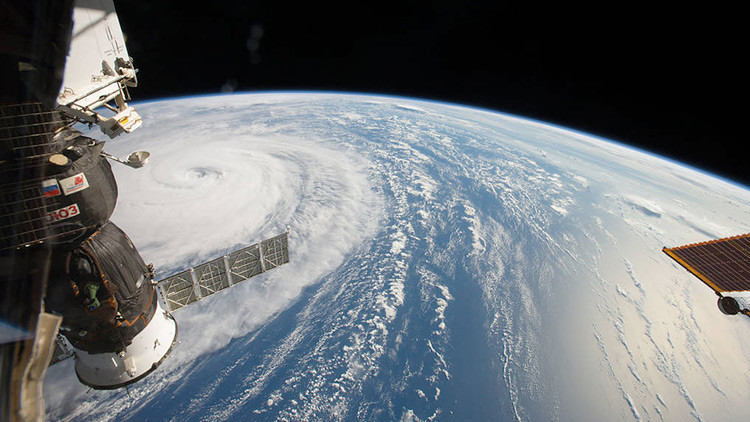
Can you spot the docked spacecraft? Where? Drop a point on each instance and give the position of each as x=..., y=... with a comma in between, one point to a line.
x=65, y=267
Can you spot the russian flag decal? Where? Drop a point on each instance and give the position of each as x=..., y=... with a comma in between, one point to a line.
x=50, y=188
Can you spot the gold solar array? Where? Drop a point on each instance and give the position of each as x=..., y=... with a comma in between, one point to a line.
x=723, y=264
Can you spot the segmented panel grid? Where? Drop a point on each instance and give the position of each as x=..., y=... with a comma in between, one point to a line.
x=275, y=251
x=218, y=274
x=178, y=290
x=245, y=263
x=211, y=277
x=723, y=264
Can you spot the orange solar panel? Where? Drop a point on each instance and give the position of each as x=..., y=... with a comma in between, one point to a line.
x=723, y=264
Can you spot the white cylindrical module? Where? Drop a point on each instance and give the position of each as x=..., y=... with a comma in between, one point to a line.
x=147, y=350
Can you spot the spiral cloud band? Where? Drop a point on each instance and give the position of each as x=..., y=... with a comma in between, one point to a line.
x=445, y=263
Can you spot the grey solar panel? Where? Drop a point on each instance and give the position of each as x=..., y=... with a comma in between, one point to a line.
x=178, y=290
x=221, y=273
x=245, y=263
x=211, y=277
x=275, y=252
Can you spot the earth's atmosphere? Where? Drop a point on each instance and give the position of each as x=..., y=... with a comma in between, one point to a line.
x=447, y=263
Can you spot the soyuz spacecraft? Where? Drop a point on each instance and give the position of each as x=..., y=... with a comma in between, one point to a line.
x=724, y=266
x=73, y=284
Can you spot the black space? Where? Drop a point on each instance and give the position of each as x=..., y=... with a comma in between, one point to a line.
x=668, y=81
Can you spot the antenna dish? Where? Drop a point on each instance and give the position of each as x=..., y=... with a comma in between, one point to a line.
x=138, y=159
x=135, y=160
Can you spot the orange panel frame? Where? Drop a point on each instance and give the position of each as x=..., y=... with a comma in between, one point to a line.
x=713, y=284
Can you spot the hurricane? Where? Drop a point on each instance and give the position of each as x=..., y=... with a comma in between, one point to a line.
x=446, y=263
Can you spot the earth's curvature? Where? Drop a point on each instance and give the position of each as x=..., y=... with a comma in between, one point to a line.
x=447, y=263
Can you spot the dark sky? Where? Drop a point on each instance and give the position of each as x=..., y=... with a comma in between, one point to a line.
x=668, y=81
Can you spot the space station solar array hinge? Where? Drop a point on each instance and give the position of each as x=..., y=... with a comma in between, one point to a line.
x=223, y=272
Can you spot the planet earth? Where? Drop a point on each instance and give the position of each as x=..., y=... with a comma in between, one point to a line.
x=446, y=263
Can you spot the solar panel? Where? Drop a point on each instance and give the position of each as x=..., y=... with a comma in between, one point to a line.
x=211, y=277
x=275, y=252
x=723, y=264
x=245, y=263
x=221, y=273
x=178, y=290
